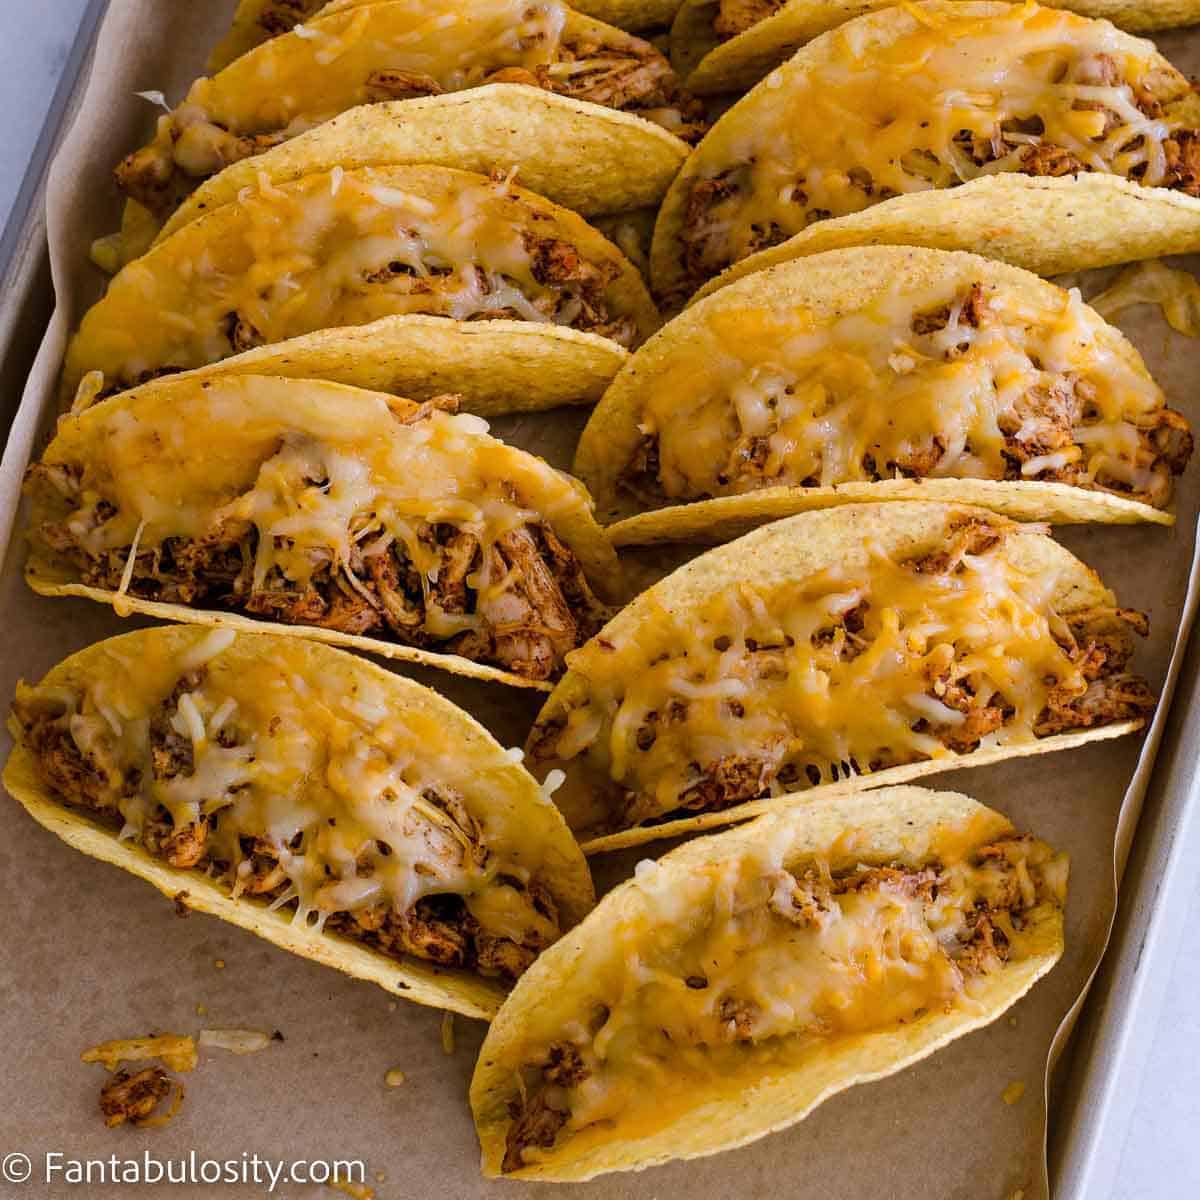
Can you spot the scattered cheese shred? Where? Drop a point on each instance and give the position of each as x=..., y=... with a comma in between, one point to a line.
x=172, y=1049
x=448, y=1033
x=90, y=387
x=155, y=97
x=395, y=1077
x=1013, y=1093
x=236, y=1041
x=1177, y=293
x=120, y=604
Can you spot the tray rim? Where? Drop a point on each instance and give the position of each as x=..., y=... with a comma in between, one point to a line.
x=1085, y=1079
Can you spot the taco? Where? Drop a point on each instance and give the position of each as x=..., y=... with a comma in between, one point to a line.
x=739, y=681
x=340, y=811
x=344, y=249
x=850, y=142
x=881, y=372
x=720, y=46
x=574, y=161
x=350, y=517
x=731, y=987
x=361, y=53
x=257, y=21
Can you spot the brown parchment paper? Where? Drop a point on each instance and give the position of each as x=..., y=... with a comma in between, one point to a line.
x=90, y=954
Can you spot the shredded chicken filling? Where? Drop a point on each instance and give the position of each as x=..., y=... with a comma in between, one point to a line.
x=281, y=16
x=756, y=694
x=393, y=52
x=1067, y=99
x=733, y=17
x=199, y=787
x=503, y=591
x=346, y=249
x=791, y=958
x=979, y=386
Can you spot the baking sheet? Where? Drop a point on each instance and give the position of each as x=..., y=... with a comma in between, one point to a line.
x=95, y=955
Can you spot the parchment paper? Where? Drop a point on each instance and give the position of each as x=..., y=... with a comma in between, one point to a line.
x=92, y=954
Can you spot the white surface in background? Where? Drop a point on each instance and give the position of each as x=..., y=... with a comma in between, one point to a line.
x=1156, y=1152
x=35, y=38
x=1158, y=1155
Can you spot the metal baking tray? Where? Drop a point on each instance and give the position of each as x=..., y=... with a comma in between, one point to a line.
x=1084, y=1113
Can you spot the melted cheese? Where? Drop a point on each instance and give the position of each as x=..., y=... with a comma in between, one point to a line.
x=338, y=249
x=877, y=120
x=716, y=980
x=828, y=393
x=313, y=474
x=690, y=678
x=308, y=76
x=332, y=769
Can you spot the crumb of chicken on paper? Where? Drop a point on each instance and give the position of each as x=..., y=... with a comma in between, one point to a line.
x=135, y=1098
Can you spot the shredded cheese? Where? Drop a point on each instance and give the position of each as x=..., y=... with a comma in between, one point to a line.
x=762, y=395
x=361, y=800
x=121, y=607
x=338, y=249
x=759, y=960
x=175, y=1051
x=236, y=1041
x=930, y=96
x=758, y=689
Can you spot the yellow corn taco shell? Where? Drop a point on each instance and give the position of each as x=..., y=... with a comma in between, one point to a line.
x=634, y=977
x=872, y=641
x=270, y=717
x=880, y=372
x=1006, y=218
x=364, y=53
x=712, y=63
x=496, y=367
x=345, y=249
x=844, y=144
x=573, y=154
x=351, y=517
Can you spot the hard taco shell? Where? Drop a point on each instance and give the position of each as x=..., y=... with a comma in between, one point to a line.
x=242, y=419
x=710, y=66
x=803, y=296
x=726, y=1111
x=1046, y=225
x=507, y=786
x=797, y=548
x=151, y=300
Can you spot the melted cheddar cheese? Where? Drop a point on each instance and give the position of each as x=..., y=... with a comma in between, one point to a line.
x=940, y=380
x=338, y=61
x=344, y=787
x=754, y=964
x=346, y=248
x=950, y=92
x=758, y=690
x=305, y=489
x=361, y=53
